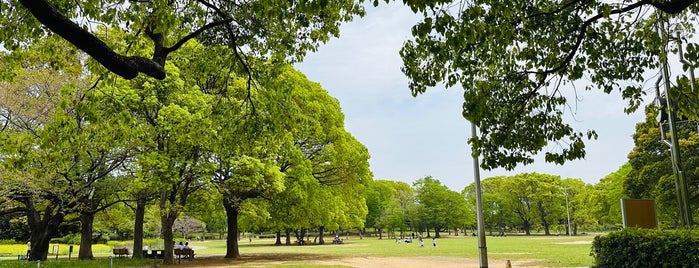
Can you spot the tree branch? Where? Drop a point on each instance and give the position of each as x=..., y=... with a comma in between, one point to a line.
x=672, y=6
x=196, y=33
x=124, y=66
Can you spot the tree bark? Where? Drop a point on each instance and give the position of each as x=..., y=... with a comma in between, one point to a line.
x=436, y=232
x=288, y=237
x=86, y=224
x=140, y=213
x=42, y=229
x=279, y=239
x=321, y=231
x=232, y=251
x=167, y=221
x=124, y=66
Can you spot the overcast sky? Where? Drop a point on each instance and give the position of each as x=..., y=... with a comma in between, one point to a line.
x=413, y=137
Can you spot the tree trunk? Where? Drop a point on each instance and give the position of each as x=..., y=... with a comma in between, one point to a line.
x=86, y=223
x=527, y=228
x=380, y=233
x=232, y=239
x=42, y=230
x=321, y=230
x=428, y=231
x=167, y=221
x=138, y=228
x=436, y=232
x=278, y=242
x=288, y=237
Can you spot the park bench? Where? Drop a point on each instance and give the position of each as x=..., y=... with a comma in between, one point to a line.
x=120, y=252
x=186, y=253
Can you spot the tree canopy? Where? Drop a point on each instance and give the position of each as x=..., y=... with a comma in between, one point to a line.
x=280, y=30
x=520, y=64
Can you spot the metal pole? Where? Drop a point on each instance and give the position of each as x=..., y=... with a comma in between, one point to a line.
x=482, y=249
x=565, y=191
x=680, y=182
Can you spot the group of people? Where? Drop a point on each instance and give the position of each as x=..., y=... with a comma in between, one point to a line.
x=183, y=246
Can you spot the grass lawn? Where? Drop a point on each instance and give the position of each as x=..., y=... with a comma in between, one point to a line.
x=549, y=251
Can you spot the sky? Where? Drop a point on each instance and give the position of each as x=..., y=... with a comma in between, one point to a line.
x=413, y=137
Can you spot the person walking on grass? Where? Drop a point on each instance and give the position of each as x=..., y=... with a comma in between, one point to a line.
x=434, y=242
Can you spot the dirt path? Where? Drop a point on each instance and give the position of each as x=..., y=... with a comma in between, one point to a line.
x=355, y=262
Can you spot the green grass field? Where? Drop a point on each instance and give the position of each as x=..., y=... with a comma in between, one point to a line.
x=549, y=251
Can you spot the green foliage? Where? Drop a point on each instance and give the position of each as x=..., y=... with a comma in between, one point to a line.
x=635, y=247
x=651, y=175
x=278, y=30
x=517, y=61
x=438, y=207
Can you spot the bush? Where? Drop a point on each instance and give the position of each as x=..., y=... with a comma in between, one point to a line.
x=635, y=247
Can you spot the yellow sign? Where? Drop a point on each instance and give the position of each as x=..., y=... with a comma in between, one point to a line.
x=639, y=213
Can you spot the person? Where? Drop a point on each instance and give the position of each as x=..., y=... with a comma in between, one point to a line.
x=420, y=242
x=186, y=245
x=146, y=247
x=29, y=248
x=180, y=246
x=434, y=242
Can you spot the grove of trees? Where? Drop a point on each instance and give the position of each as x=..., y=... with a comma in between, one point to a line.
x=138, y=117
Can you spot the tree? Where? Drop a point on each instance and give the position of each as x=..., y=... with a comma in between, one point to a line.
x=605, y=204
x=58, y=128
x=175, y=123
x=326, y=168
x=651, y=175
x=439, y=207
x=278, y=30
x=515, y=59
x=498, y=211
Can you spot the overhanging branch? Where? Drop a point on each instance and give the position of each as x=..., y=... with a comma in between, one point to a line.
x=127, y=67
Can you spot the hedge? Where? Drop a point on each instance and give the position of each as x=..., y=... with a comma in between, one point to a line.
x=635, y=247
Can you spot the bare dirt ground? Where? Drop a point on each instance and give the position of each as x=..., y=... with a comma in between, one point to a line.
x=356, y=262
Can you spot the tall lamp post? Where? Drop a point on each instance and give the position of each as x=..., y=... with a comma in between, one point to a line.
x=565, y=192
x=482, y=249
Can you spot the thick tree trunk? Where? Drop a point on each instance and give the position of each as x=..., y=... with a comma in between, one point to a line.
x=436, y=232
x=167, y=221
x=138, y=228
x=288, y=237
x=527, y=228
x=278, y=241
x=380, y=233
x=42, y=229
x=232, y=239
x=321, y=231
x=86, y=224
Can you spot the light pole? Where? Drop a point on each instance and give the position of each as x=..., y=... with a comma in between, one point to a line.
x=482, y=249
x=565, y=192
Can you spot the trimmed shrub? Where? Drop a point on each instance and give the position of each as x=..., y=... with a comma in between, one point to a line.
x=635, y=247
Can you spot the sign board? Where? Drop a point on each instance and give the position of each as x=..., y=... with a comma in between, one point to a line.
x=639, y=213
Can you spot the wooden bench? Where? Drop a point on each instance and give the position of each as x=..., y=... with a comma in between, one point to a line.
x=120, y=252
x=186, y=253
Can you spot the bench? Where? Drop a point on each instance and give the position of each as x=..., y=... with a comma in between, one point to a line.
x=186, y=253
x=120, y=252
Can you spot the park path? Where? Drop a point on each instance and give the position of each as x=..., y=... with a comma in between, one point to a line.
x=367, y=262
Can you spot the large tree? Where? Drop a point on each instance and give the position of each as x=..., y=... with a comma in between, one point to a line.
x=651, y=175
x=60, y=167
x=439, y=207
x=280, y=30
x=519, y=63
